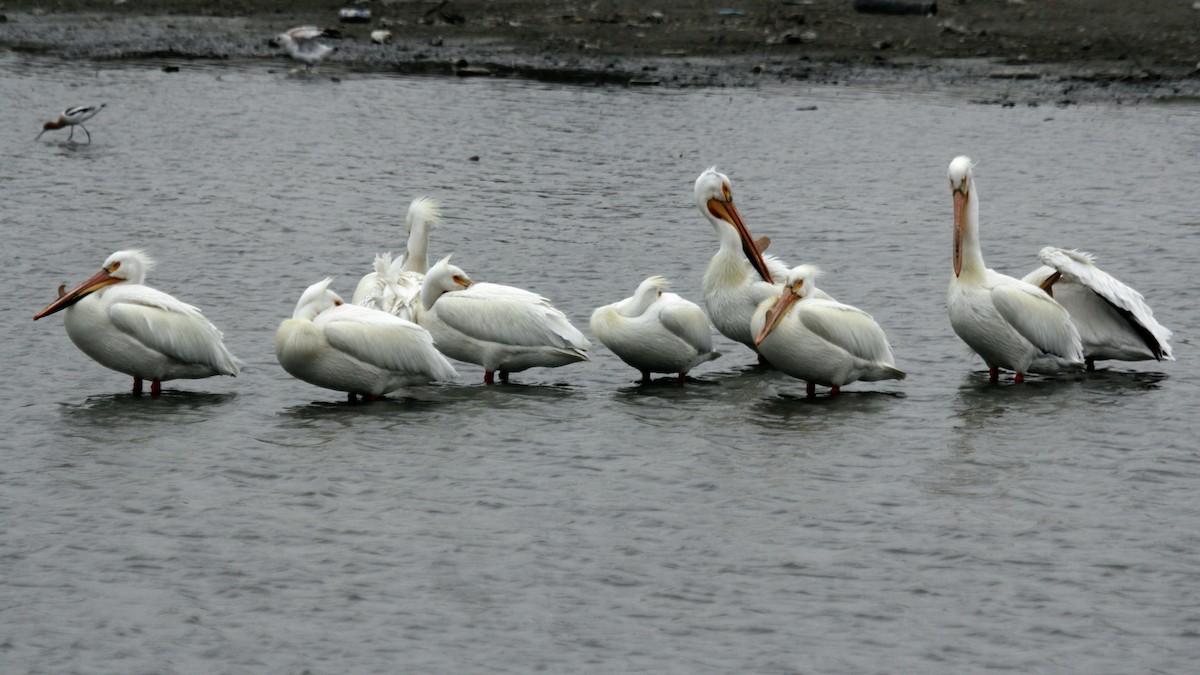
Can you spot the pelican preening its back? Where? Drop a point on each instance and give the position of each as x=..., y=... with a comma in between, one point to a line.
x=502, y=328
x=303, y=45
x=1012, y=324
x=361, y=351
x=137, y=330
x=73, y=117
x=655, y=331
x=818, y=340
x=1113, y=320
x=395, y=285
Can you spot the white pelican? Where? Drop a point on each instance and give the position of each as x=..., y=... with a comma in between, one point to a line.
x=302, y=45
x=395, y=285
x=501, y=328
x=1010, y=323
x=821, y=341
x=739, y=276
x=73, y=117
x=1113, y=320
x=137, y=330
x=354, y=349
x=655, y=332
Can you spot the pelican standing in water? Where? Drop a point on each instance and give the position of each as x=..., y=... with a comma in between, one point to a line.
x=501, y=328
x=739, y=276
x=73, y=117
x=302, y=44
x=1113, y=320
x=137, y=330
x=361, y=351
x=395, y=285
x=821, y=341
x=655, y=331
x=1012, y=324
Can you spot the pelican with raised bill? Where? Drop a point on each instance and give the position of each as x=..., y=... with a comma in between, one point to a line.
x=1113, y=320
x=303, y=44
x=73, y=117
x=655, y=331
x=739, y=276
x=502, y=328
x=361, y=351
x=137, y=330
x=395, y=285
x=1011, y=323
x=821, y=341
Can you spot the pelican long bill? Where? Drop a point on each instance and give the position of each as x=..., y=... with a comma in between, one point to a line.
x=728, y=212
x=91, y=285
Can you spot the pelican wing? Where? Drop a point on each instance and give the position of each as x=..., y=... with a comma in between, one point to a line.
x=1130, y=304
x=1039, y=319
x=171, y=327
x=382, y=340
x=508, y=315
x=686, y=321
x=847, y=327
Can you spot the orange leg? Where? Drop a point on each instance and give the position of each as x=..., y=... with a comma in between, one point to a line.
x=1019, y=378
x=489, y=377
x=835, y=390
x=155, y=387
x=137, y=386
x=993, y=374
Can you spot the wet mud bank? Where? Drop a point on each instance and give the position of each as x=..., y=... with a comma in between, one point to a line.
x=1024, y=51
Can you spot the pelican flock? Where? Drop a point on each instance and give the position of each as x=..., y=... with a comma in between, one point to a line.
x=362, y=351
x=818, y=340
x=73, y=117
x=655, y=331
x=1011, y=323
x=137, y=330
x=409, y=318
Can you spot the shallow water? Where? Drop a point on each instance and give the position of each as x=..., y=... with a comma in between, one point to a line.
x=574, y=520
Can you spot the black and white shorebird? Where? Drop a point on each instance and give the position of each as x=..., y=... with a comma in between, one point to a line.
x=73, y=117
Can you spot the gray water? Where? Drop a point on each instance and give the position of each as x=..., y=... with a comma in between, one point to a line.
x=574, y=521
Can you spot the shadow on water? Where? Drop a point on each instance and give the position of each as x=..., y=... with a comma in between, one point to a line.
x=127, y=410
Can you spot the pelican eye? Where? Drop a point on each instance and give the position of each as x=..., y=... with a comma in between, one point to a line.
x=660, y=292
x=114, y=267
x=726, y=191
x=337, y=303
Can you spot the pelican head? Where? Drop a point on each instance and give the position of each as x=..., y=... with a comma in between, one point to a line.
x=316, y=299
x=122, y=266
x=960, y=188
x=423, y=211
x=799, y=285
x=714, y=198
x=442, y=278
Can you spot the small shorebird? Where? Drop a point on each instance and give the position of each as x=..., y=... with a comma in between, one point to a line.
x=73, y=117
x=302, y=45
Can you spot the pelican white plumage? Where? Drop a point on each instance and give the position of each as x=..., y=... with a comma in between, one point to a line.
x=821, y=341
x=303, y=45
x=395, y=285
x=137, y=330
x=1012, y=324
x=739, y=276
x=361, y=351
x=73, y=117
x=502, y=328
x=655, y=331
x=1113, y=320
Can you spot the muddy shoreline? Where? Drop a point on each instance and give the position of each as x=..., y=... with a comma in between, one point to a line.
x=1024, y=50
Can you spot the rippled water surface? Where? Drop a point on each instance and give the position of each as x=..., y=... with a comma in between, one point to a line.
x=574, y=520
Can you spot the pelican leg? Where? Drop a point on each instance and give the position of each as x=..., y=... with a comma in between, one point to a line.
x=762, y=360
x=645, y=377
x=835, y=391
x=993, y=374
x=504, y=376
x=1019, y=378
x=1089, y=363
x=351, y=397
x=489, y=377
x=155, y=387
x=89, y=134
x=683, y=378
x=810, y=389
x=137, y=386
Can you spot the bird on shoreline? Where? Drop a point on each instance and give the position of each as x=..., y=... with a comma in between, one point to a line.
x=361, y=351
x=502, y=328
x=821, y=341
x=302, y=45
x=655, y=331
x=73, y=117
x=1113, y=320
x=1011, y=323
x=137, y=330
